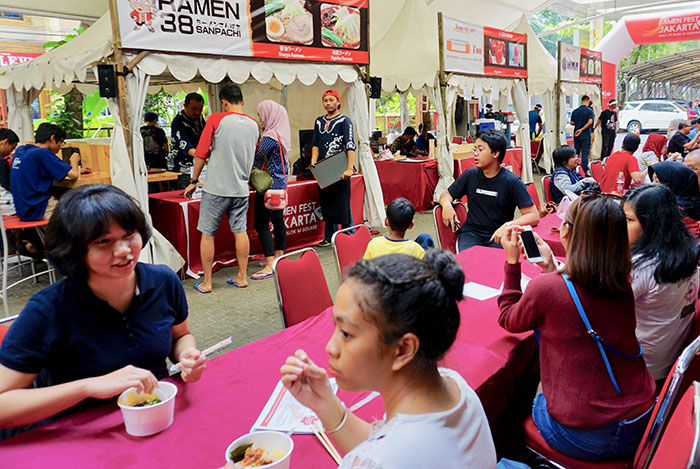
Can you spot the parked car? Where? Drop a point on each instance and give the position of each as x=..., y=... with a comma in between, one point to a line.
x=650, y=114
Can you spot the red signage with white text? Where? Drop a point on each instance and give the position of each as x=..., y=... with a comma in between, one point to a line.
x=505, y=53
x=591, y=66
x=14, y=58
x=671, y=28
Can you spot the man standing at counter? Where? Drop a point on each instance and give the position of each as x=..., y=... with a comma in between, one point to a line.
x=582, y=120
x=333, y=133
x=186, y=129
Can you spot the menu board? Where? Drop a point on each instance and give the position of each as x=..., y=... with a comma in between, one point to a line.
x=579, y=64
x=308, y=30
x=480, y=50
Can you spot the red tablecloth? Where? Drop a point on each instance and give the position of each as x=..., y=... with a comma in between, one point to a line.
x=413, y=181
x=544, y=229
x=513, y=158
x=224, y=404
x=176, y=218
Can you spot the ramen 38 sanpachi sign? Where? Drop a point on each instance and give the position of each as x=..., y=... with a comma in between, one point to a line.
x=310, y=30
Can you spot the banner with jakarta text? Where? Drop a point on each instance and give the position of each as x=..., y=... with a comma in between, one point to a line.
x=480, y=50
x=652, y=29
x=14, y=58
x=308, y=30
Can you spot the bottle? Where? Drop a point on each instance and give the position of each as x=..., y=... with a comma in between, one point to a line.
x=620, y=183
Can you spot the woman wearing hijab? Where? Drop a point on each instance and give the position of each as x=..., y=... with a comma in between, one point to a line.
x=683, y=182
x=273, y=153
x=654, y=150
x=672, y=128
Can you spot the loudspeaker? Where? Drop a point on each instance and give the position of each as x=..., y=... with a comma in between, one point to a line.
x=107, y=81
x=375, y=87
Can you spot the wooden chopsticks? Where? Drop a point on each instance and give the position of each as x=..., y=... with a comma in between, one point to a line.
x=326, y=442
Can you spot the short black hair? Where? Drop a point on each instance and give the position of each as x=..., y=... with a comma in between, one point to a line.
x=496, y=142
x=562, y=154
x=631, y=142
x=695, y=122
x=410, y=131
x=585, y=97
x=410, y=295
x=421, y=127
x=47, y=130
x=193, y=97
x=150, y=116
x=82, y=215
x=232, y=93
x=399, y=214
x=9, y=135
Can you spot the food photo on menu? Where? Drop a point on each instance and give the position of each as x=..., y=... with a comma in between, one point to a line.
x=340, y=26
x=289, y=21
x=516, y=54
x=497, y=52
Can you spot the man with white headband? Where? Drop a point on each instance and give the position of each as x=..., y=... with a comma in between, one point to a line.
x=608, y=120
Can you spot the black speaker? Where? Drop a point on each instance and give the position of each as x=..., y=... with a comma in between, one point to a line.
x=107, y=81
x=375, y=87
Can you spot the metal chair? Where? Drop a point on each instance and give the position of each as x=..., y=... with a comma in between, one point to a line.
x=547, y=188
x=14, y=223
x=349, y=245
x=4, y=329
x=302, y=289
x=446, y=238
x=532, y=190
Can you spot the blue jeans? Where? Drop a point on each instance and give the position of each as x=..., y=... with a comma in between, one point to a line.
x=467, y=239
x=425, y=241
x=333, y=227
x=583, y=147
x=616, y=440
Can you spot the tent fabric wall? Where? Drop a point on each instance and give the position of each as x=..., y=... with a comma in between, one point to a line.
x=19, y=117
x=520, y=102
x=442, y=151
x=359, y=114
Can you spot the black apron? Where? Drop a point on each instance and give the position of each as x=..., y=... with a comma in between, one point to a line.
x=335, y=203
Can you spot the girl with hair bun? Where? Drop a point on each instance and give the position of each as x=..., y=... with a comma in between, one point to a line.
x=395, y=316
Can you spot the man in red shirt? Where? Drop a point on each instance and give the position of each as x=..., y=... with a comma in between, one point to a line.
x=623, y=162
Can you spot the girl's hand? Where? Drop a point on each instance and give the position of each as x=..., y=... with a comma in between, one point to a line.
x=193, y=363
x=116, y=382
x=509, y=241
x=549, y=264
x=307, y=381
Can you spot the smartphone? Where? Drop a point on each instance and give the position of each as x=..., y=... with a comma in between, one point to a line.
x=456, y=226
x=532, y=251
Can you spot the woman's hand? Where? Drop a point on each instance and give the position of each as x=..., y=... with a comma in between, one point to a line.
x=509, y=241
x=307, y=381
x=116, y=382
x=193, y=363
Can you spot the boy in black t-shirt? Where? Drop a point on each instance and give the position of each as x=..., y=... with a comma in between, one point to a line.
x=608, y=122
x=492, y=193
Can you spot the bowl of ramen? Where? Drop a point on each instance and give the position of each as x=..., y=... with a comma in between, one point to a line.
x=288, y=21
x=147, y=414
x=340, y=26
x=269, y=450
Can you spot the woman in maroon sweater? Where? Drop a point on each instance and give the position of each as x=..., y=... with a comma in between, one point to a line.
x=584, y=411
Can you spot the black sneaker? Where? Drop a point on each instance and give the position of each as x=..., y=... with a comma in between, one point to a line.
x=323, y=244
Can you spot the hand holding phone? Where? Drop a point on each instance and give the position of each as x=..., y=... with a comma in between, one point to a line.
x=532, y=251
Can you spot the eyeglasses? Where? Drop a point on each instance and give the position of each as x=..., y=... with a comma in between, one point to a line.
x=587, y=195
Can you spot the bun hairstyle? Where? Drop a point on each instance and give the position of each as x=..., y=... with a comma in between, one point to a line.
x=407, y=294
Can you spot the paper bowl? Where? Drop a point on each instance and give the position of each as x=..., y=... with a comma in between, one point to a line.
x=144, y=421
x=270, y=441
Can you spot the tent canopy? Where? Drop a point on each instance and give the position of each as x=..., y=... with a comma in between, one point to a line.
x=69, y=9
x=541, y=65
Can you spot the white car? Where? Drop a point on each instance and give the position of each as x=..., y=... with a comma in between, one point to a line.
x=650, y=114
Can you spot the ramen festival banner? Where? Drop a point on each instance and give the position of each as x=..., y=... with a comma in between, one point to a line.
x=309, y=30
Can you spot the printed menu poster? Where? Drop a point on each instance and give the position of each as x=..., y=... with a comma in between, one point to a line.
x=308, y=30
x=505, y=53
x=463, y=46
x=591, y=66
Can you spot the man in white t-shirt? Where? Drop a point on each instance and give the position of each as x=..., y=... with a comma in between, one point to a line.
x=228, y=143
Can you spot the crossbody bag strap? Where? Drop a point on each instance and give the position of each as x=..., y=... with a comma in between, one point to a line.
x=594, y=335
x=284, y=170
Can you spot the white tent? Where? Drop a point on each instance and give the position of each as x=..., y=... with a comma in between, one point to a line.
x=69, y=9
x=287, y=82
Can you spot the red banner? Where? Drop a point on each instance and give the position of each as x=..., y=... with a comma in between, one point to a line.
x=609, y=81
x=591, y=66
x=671, y=28
x=14, y=58
x=505, y=53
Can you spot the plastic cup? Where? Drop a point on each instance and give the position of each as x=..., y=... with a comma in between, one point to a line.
x=148, y=420
x=271, y=441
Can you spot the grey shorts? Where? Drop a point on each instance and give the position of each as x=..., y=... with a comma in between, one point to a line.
x=212, y=209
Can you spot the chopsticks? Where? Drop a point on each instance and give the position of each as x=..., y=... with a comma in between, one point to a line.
x=326, y=442
x=178, y=366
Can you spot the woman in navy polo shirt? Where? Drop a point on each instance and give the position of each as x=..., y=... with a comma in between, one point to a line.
x=109, y=325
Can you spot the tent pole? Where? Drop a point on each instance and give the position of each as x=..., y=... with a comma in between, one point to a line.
x=121, y=79
x=557, y=105
x=442, y=81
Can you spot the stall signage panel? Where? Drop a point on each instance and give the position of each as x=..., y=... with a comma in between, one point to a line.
x=463, y=45
x=309, y=30
x=505, y=53
x=591, y=66
x=570, y=62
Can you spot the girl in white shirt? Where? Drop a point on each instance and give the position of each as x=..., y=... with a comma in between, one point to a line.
x=395, y=316
x=664, y=275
